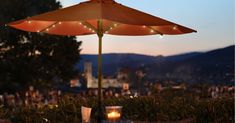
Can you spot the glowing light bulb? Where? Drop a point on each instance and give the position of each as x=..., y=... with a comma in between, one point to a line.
x=144, y=26
x=106, y=32
x=115, y=25
x=85, y=26
x=47, y=29
x=152, y=31
x=29, y=22
x=80, y=23
x=38, y=31
x=53, y=26
x=174, y=28
x=60, y=22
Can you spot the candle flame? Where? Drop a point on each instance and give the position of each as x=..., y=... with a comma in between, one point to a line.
x=114, y=115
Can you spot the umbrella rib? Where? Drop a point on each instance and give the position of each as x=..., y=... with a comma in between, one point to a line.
x=89, y=25
x=154, y=30
x=50, y=26
x=112, y=26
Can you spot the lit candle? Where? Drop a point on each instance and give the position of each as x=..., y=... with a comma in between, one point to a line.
x=114, y=115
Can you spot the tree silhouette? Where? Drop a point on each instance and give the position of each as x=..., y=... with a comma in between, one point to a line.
x=32, y=58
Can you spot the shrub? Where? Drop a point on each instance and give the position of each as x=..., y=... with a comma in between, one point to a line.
x=151, y=108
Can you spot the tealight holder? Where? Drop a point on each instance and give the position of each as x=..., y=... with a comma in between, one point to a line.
x=113, y=113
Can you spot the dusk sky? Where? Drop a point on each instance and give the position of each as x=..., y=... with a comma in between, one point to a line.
x=213, y=19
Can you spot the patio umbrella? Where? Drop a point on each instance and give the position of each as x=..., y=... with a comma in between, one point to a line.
x=99, y=17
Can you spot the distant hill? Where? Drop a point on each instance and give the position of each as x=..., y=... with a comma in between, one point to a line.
x=181, y=57
x=223, y=55
x=213, y=66
x=112, y=62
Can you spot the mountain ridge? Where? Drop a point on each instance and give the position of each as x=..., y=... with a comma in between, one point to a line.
x=182, y=65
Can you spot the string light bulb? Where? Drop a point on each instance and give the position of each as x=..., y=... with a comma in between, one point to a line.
x=152, y=31
x=175, y=27
x=144, y=26
x=60, y=23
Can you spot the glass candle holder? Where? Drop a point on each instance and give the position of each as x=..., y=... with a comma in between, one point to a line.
x=113, y=113
x=86, y=113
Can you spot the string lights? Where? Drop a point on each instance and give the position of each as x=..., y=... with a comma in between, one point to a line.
x=88, y=27
x=152, y=30
x=49, y=27
x=111, y=27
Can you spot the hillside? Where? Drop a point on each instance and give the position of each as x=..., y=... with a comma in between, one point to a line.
x=112, y=62
x=215, y=66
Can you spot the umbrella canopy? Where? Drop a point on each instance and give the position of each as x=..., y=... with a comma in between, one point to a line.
x=99, y=17
x=117, y=19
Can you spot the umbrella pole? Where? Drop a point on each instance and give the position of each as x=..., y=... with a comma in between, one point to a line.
x=100, y=35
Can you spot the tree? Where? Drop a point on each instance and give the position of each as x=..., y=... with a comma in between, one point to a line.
x=33, y=58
